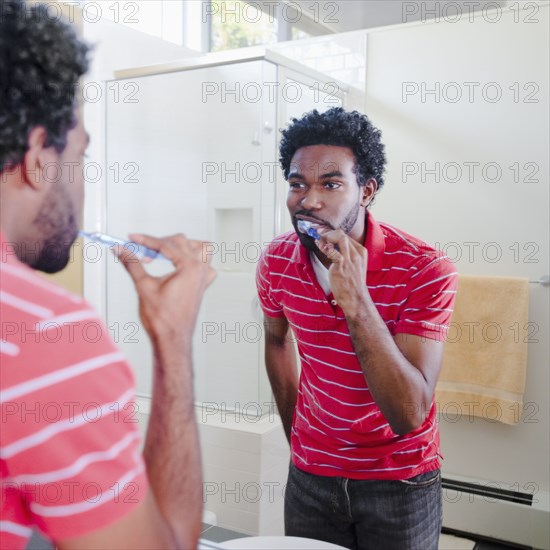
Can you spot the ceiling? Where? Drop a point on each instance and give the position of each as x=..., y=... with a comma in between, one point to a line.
x=351, y=15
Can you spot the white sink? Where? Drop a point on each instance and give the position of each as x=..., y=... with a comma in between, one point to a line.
x=277, y=543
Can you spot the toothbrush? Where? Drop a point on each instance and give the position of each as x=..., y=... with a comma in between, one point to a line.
x=308, y=229
x=139, y=250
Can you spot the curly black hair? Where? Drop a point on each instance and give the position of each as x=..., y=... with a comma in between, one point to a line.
x=342, y=128
x=41, y=61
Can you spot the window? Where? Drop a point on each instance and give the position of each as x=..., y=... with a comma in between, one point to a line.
x=241, y=23
x=299, y=34
x=237, y=24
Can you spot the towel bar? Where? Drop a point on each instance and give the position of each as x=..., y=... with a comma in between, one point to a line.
x=544, y=280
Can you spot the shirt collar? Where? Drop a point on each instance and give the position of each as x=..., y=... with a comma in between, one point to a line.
x=374, y=243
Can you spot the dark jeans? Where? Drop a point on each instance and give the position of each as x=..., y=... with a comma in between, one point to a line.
x=365, y=514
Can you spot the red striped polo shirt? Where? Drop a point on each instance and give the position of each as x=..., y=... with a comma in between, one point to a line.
x=69, y=444
x=338, y=429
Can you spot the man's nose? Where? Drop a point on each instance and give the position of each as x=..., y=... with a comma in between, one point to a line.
x=311, y=200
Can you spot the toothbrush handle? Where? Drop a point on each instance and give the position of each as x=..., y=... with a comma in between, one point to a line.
x=141, y=250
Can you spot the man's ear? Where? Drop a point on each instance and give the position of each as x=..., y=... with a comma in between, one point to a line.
x=368, y=191
x=36, y=158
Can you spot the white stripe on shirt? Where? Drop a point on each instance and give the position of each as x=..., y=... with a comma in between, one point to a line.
x=342, y=457
x=55, y=322
x=24, y=305
x=317, y=331
x=332, y=349
x=70, y=423
x=391, y=303
x=85, y=505
x=427, y=309
x=436, y=325
x=398, y=268
x=439, y=258
x=454, y=274
x=400, y=252
x=332, y=366
x=59, y=375
x=345, y=403
x=288, y=260
x=343, y=386
x=343, y=429
x=15, y=528
x=411, y=467
x=297, y=295
x=7, y=348
x=78, y=465
x=290, y=277
x=315, y=314
x=385, y=286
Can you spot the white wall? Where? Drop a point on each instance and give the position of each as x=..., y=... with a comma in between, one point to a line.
x=500, y=215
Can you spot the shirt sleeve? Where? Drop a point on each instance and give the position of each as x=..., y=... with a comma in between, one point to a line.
x=269, y=304
x=71, y=447
x=431, y=295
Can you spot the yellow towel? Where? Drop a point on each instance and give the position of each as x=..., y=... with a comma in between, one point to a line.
x=485, y=358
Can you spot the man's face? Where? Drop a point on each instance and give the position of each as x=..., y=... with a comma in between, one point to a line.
x=323, y=189
x=60, y=215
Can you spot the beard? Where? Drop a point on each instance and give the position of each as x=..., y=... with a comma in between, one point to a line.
x=346, y=226
x=57, y=225
x=351, y=218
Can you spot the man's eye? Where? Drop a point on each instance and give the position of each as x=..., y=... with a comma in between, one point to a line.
x=332, y=185
x=295, y=185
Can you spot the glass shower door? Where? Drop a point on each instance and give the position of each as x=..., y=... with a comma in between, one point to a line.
x=195, y=155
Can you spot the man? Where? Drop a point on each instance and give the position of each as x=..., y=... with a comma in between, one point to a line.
x=368, y=305
x=69, y=450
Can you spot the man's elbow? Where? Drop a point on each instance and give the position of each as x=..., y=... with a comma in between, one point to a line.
x=404, y=428
x=411, y=418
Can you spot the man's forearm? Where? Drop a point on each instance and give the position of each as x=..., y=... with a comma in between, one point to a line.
x=171, y=449
x=282, y=373
x=286, y=403
x=392, y=380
